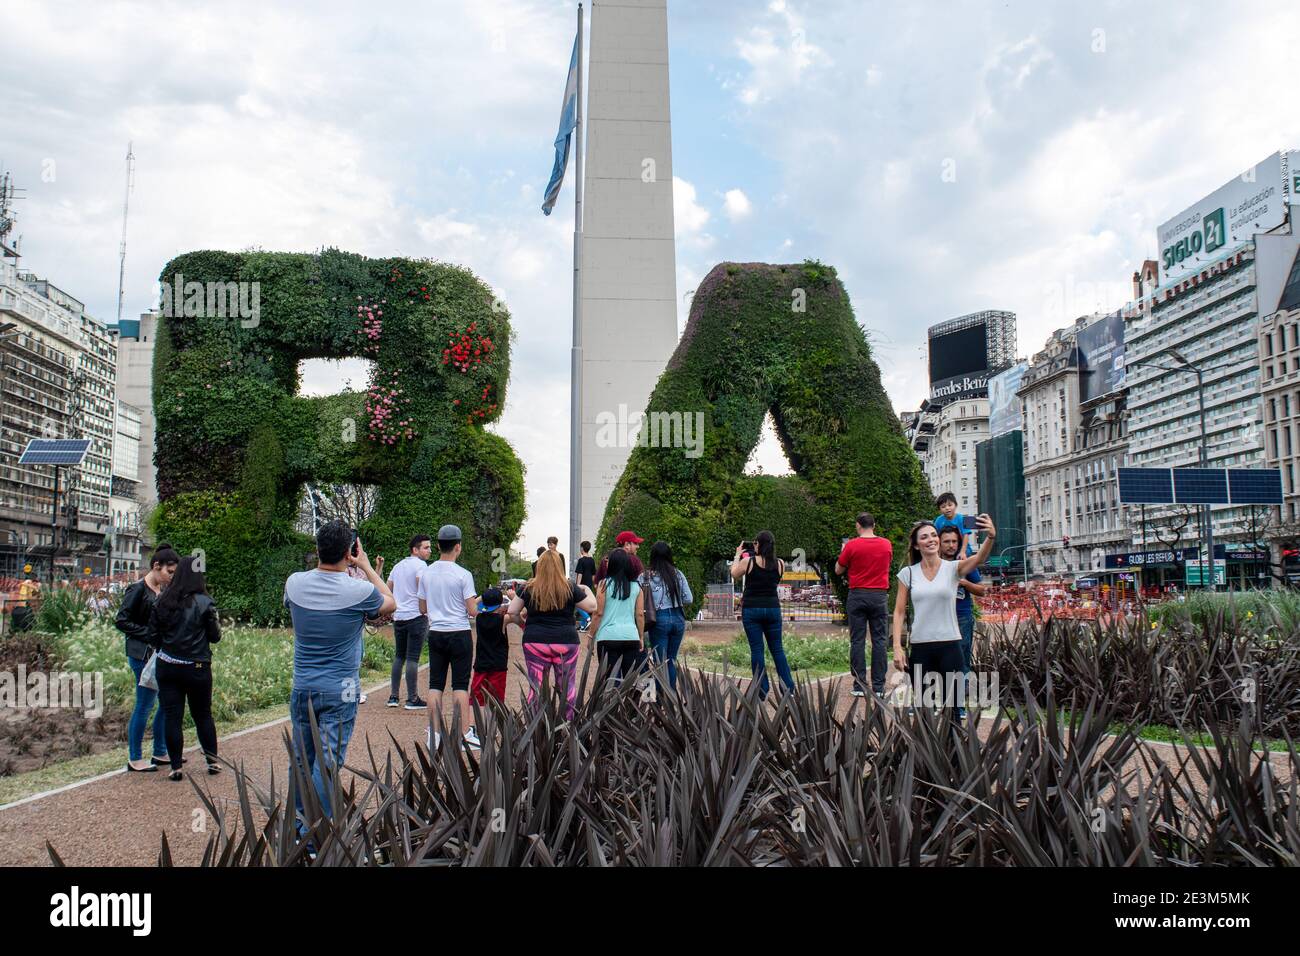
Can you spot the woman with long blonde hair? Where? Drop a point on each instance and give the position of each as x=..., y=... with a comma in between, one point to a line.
x=545, y=611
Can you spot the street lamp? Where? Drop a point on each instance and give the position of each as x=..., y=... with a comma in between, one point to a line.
x=1206, y=516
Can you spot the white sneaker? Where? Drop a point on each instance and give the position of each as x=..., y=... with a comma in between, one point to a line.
x=432, y=740
x=471, y=738
x=361, y=699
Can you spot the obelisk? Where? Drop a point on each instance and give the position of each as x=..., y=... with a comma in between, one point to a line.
x=628, y=278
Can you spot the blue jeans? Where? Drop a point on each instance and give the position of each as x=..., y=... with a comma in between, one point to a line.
x=335, y=719
x=966, y=625
x=666, y=639
x=762, y=623
x=144, y=701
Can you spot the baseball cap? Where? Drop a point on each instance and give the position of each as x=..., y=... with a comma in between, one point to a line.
x=490, y=599
x=626, y=537
x=449, y=532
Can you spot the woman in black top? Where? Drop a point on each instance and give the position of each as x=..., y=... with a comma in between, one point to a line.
x=182, y=628
x=133, y=621
x=761, y=607
x=550, y=641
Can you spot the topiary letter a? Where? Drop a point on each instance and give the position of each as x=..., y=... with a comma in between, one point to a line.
x=778, y=338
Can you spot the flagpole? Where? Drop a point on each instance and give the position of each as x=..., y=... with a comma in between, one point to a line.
x=575, y=387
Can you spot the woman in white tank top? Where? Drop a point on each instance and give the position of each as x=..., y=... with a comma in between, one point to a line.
x=930, y=583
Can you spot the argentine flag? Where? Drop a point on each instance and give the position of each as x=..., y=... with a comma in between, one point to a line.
x=568, y=122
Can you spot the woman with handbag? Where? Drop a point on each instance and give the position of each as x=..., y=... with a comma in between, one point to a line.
x=760, y=605
x=133, y=621
x=619, y=621
x=183, y=628
x=670, y=595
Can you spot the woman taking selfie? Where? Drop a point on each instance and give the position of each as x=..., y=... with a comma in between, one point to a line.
x=931, y=582
x=761, y=607
x=182, y=628
x=133, y=621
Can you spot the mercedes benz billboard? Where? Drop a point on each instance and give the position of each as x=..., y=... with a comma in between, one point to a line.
x=959, y=359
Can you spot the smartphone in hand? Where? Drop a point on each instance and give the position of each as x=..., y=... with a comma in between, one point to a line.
x=968, y=522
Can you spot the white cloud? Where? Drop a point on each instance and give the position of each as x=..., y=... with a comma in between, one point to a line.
x=689, y=217
x=737, y=205
x=778, y=52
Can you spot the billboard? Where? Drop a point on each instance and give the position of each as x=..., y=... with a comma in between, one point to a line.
x=1101, y=357
x=1247, y=204
x=1004, y=403
x=958, y=361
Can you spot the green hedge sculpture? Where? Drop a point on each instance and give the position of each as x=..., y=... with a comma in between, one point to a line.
x=235, y=443
x=778, y=338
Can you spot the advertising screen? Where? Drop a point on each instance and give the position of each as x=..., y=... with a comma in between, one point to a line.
x=1004, y=403
x=1250, y=203
x=959, y=364
x=1101, y=357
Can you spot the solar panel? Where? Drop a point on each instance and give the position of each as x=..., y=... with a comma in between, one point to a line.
x=1200, y=486
x=55, y=451
x=1145, y=486
x=1255, y=486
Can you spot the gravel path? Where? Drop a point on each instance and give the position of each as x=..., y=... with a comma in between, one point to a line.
x=117, y=820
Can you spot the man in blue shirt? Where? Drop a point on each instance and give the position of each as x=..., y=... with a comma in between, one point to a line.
x=950, y=540
x=329, y=609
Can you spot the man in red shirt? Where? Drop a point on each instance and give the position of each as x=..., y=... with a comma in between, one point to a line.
x=867, y=560
x=627, y=541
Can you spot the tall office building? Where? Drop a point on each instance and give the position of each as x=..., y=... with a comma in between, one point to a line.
x=135, y=343
x=124, y=503
x=963, y=354
x=56, y=375
x=629, y=282
x=1224, y=262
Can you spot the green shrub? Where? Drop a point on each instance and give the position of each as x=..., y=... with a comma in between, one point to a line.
x=235, y=442
x=747, y=350
x=63, y=609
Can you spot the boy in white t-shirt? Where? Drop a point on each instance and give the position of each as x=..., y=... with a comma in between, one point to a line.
x=449, y=601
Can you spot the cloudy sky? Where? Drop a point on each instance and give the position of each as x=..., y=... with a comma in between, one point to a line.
x=944, y=157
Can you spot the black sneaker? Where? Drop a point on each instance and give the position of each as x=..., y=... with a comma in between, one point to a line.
x=418, y=703
x=394, y=702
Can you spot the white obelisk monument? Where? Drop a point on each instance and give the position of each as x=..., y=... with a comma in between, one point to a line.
x=627, y=324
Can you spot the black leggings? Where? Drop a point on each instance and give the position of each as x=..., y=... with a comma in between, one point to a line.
x=618, y=659
x=178, y=683
x=941, y=657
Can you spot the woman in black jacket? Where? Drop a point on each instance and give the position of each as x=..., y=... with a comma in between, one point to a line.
x=182, y=628
x=133, y=621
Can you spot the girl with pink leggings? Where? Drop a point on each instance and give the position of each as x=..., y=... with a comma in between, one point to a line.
x=544, y=609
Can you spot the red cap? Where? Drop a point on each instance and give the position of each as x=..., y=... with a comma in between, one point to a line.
x=624, y=537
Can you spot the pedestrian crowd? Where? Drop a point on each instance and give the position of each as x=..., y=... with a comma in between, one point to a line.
x=634, y=610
